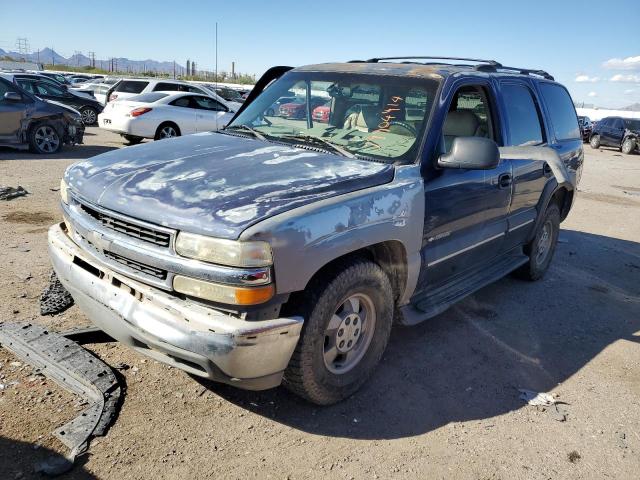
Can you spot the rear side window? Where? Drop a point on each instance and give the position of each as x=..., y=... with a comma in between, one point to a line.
x=167, y=87
x=129, y=86
x=563, y=115
x=149, y=97
x=522, y=115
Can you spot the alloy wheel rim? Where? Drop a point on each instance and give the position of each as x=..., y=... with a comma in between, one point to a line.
x=349, y=333
x=168, y=132
x=46, y=139
x=88, y=117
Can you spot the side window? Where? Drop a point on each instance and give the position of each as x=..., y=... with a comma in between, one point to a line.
x=189, y=88
x=182, y=102
x=618, y=124
x=522, y=116
x=27, y=85
x=167, y=87
x=48, y=89
x=128, y=86
x=563, y=114
x=469, y=116
x=4, y=88
x=206, y=103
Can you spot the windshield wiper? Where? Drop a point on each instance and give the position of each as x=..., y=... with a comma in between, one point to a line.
x=323, y=141
x=247, y=128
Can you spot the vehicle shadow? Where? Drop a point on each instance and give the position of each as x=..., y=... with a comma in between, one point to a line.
x=20, y=460
x=75, y=152
x=469, y=362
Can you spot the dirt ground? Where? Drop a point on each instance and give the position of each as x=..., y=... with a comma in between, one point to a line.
x=444, y=402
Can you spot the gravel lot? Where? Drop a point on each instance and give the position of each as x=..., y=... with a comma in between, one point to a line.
x=443, y=404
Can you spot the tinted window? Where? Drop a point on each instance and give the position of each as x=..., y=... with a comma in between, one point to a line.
x=522, y=116
x=206, y=103
x=50, y=89
x=188, y=88
x=182, y=102
x=129, y=86
x=149, y=97
x=632, y=123
x=563, y=115
x=27, y=85
x=617, y=123
x=4, y=88
x=166, y=87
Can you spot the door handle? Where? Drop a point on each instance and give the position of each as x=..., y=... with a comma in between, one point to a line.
x=504, y=180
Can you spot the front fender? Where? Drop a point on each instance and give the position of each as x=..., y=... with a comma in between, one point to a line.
x=309, y=237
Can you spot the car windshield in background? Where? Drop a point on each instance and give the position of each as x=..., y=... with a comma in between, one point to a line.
x=148, y=97
x=632, y=124
x=380, y=117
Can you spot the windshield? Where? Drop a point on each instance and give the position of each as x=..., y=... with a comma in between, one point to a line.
x=368, y=116
x=632, y=124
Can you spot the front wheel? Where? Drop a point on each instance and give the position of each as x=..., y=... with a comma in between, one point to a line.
x=89, y=115
x=344, y=335
x=541, y=249
x=628, y=146
x=595, y=141
x=44, y=138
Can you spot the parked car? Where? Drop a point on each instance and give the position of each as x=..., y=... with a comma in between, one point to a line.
x=58, y=77
x=229, y=94
x=321, y=113
x=46, y=89
x=127, y=88
x=26, y=121
x=36, y=76
x=272, y=252
x=585, y=127
x=297, y=108
x=161, y=115
x=274, y=109
x=621, y=133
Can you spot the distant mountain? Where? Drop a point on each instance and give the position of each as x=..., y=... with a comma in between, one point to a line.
x=49, y=56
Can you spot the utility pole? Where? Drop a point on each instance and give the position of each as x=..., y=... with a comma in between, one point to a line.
x=22, y=44
x=174, y=69
x=216, y=79
x=53, y=56
x=92, y=56
x=76, y=53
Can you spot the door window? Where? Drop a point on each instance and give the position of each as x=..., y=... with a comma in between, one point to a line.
x=563, y=114
x=522, y=116
x=182, y=102
x=469, y=116
x=130, y=86
x=206, y=103
x=167, y=87
x=48, y=89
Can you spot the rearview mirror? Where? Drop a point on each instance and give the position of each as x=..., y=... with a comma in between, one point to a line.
x=475, y=153
x=12, y=97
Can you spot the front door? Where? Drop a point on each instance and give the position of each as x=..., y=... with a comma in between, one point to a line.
x=466, y=210
x=12, y=113
x=210, y=114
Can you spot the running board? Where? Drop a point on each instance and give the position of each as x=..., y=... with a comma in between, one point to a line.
x=431, y=303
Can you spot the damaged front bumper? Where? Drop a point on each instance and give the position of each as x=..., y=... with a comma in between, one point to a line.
x=74, y=133
x=179, y=332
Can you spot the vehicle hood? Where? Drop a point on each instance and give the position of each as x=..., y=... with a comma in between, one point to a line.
x=216, y=184
x=62, y=106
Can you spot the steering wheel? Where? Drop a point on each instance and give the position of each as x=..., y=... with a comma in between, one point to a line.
x=410, y=128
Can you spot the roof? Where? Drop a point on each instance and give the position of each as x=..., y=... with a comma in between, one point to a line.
x=430, y=69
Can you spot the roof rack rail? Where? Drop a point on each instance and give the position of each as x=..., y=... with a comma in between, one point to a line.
x=419, y=57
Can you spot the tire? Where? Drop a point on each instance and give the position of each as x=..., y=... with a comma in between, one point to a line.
x=339, y=302
x=546, y=238
x=89, y=115
x=270, y=112
x=167, y=130
x=132, y=139
x=628, y=146
x=44, y=139
x=594, y=141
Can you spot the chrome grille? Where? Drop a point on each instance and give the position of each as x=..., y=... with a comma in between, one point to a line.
x=145, y=234
x=139, y=267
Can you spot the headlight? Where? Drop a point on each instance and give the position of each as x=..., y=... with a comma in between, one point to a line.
x=224, y=252
x=64, y=191
x=222, y=293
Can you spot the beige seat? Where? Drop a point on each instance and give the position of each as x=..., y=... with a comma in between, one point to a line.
x=364, y=120
x=461, y=123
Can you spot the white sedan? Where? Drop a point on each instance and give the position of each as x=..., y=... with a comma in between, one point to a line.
x=161, y=115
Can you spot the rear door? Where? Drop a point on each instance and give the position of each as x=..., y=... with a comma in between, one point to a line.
x=604, y=128
x=210, y=114
x=524, y=127
x=617, y=132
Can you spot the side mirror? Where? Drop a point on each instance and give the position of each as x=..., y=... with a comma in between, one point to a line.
x=12, y=97
x=475, y=153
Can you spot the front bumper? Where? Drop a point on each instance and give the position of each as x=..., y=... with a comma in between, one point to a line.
x=179, y=332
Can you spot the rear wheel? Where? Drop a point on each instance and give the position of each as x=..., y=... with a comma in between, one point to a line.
x=89, y=115
x=167, y=130
x=628, y=146
x=344, y=335
x=43, y=138
x=594, y=141
x=541, y=249
x=132, y=139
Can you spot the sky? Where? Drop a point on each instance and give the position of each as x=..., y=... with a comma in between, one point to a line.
x=594, y=53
